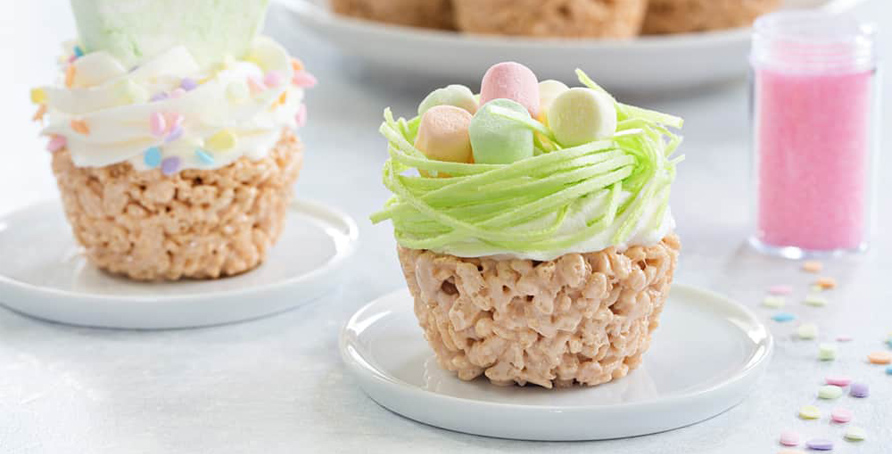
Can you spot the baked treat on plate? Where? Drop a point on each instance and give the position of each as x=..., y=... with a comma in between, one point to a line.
x=173, y=140
x=684, y=16
x=552, y=18
x=533, y=227
x=413, y=13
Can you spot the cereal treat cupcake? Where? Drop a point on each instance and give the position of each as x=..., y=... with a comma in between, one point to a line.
x=683, y=16
x=536, y=237
x=413, y=13
x=552, y=18
x=173, y=136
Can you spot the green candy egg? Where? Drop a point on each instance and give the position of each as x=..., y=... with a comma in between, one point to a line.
x=499, y=140
x=453, y=95
x=582, y=115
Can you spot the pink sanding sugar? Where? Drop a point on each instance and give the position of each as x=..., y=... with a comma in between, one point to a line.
x=813, y=139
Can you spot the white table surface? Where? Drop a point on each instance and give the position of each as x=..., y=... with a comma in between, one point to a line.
x=278, y=385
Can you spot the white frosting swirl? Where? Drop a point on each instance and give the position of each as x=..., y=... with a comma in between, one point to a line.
x=104, y=111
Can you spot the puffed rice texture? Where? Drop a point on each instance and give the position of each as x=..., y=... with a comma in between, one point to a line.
x=579, y=319
x=201, y=224
x=684, y=16
x=414, y=13
x=552, y=18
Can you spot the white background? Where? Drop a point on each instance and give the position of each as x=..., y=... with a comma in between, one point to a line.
x=277, y=385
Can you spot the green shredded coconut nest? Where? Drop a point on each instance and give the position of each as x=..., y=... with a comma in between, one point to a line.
x=488, y=202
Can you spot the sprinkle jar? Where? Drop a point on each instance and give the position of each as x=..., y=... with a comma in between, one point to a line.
x=814, y=118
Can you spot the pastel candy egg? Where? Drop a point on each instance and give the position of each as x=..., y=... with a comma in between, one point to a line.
x=548, y=91
x=453, y=95
x=512, y=81
x=499, y=140
x=443, y=134
x=582, y=115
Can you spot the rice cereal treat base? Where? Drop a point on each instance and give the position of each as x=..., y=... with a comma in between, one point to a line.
x=413, y=13
x=581, y=318
x=552, y=18
x=682, y=16
x=200, y=224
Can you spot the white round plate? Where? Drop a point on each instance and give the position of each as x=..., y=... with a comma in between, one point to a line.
x=649, y=63
x=708, y=353
x=44, y=275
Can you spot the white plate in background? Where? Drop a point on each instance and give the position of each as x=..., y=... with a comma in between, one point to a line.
x=706, y=356
x=44, y=275
x=649, y=63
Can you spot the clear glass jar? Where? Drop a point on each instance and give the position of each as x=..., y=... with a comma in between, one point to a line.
x=814, y=118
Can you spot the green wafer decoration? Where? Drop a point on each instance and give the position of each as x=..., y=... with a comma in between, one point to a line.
x=521, y=206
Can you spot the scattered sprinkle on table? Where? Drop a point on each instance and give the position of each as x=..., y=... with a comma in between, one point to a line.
x=807, y=331
x=816, y=289
x=812, y=266
x=789, y=438
x=783, y=317
x=780, y=290
x=889, y=370
x=819, y=444
x=827, y=352
x=880, y=358
x=854, y=433
x=815, y=300
x=809, y=412
x=843, y=338
x=829, y=392
x=859, y=390
x=826, y=283
x=790, y=451
x=841, y=415
x=774, y=302
x=838, y=380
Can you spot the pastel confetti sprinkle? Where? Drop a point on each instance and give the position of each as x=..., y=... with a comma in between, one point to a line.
x=854, y=433
x=789, y=438
x=774, y=302
x=819, y=444
x=204, y=157
x=304, y=79
x=815, y=301
x=78, y=52
x=152, y=157
x=170, y=166
x=273, y=79
x=157, y=124
x=838, y=381
x=807, y=331
x=859, y=390
x=69, y=76
x=38, y=95
x=177, y=93
x=809, y=412
x=56, y=143
x=843, y=338
x=188, y=84
x=841, y=415
x=282, y=98
x=812, y=266
x=780, y=290
x=255, y=84
x=80, y=127
x=159, y=97
x=827, y=352
x=790, y=451
x=880, y=358
x=783, y=317
x=829, y=392
x=175, y=134
x=41, y=111
x=301, y=117
x=221, y=141
x=826, y=283
x=889, y=370
x=174, y=120
x=71, y=59
x=297, y=65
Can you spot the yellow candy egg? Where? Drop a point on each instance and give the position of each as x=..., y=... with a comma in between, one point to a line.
x=548, y=91
x=443, y=134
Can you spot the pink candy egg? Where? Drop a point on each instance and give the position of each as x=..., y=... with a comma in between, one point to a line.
x=512, y=81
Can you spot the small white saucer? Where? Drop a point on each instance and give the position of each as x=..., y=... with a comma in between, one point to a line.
x=44, y=275
x=706, y=356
